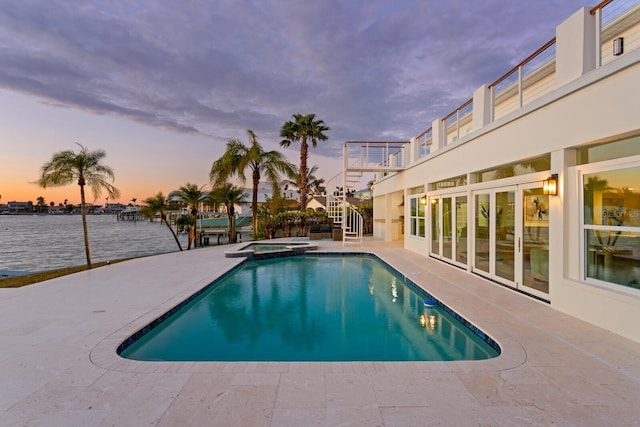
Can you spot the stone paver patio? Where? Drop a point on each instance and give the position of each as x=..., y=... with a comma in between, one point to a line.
x=58, y=364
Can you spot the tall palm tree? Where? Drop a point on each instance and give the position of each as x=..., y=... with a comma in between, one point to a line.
x=86, y=168
x=192, y=196
x=157, y=204
x=303, y=128
x=238, y=157
x=229, y=195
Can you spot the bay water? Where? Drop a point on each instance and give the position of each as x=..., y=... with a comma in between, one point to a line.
x=33, y=243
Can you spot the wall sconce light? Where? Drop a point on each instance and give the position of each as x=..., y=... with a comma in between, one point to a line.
x=618, y=46
x=423, y=199
x=550, y=185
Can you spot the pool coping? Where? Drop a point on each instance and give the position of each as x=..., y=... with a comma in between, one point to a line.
x=291, y=248
x=106, y=353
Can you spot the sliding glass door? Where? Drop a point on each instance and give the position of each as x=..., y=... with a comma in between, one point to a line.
x=511, y=235
x=449, y=228
x=535, y=241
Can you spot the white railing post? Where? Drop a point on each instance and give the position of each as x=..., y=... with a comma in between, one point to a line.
x=520, y=85
x=492, y=114
x=598, y=37
x=365, y=152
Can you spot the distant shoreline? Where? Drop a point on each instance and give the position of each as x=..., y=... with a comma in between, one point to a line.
x=13, y=273
x=35, y=243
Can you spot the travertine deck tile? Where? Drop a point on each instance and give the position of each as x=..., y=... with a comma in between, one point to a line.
x=58, y=364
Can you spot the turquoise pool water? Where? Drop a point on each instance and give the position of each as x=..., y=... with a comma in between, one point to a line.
x=310, y=308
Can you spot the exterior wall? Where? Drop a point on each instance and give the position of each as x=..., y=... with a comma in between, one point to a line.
x=589, y=105
x=576, y=46
x=628, y=29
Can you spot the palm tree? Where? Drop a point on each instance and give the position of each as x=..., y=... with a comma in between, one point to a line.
x=229, y=195
x=86, y=168
x=238, y=157
x=314, y=185
x=192, y=196
x=41, y=204
x=154, y=205
x=303, y=128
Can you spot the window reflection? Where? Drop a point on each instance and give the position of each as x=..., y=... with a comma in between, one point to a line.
x=515, y=169
x=612, y=226
x=447, y=227
x=535, y=239
x=435, y=226
x=417, y=211
x=482, y=218
x=461, y=229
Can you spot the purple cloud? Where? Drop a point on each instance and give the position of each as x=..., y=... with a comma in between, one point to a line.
x=370, y=69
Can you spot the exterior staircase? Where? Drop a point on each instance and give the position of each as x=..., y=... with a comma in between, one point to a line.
x=360, y=157
x=343, y=214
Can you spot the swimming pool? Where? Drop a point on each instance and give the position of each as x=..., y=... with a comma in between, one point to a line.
x=266, y=250
x=313, y=307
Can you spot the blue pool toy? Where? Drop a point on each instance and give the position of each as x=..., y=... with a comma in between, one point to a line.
x=429, y=302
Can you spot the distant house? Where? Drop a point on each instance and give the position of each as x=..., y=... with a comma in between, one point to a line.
x=223, y=222
x=218, y=228
x=20, y=207
x=114, y=207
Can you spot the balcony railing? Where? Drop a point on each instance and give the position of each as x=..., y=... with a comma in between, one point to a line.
x=375, y=156
x=459, y=121
x=526, y=82
x=535, y=75
x=423, y=144
x=616, y=19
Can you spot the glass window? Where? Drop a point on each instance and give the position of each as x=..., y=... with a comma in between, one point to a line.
x=435, y=225
x=515, y=169
x=611, y=225
x=482, y=220
x=458, y=181
x=461, y=229
x=535, y=239
x=612, y=150
x=504, y=235
x=447, y=227
x=415, y=190
x=417, y=215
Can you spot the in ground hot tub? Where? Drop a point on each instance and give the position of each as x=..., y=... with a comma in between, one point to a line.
x=269, y=249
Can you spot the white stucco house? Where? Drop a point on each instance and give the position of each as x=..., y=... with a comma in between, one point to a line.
x=534, y=182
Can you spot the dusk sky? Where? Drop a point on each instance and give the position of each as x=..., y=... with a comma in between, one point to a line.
x=161, y=86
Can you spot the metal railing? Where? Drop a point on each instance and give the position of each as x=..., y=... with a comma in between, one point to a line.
x=342, y=213
x=335, y=190
x=615, y=19
x=524, y=82
x=423, y=144
x=352, y=226
x=372, y=156
x=533, y=77
x=461, y=117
